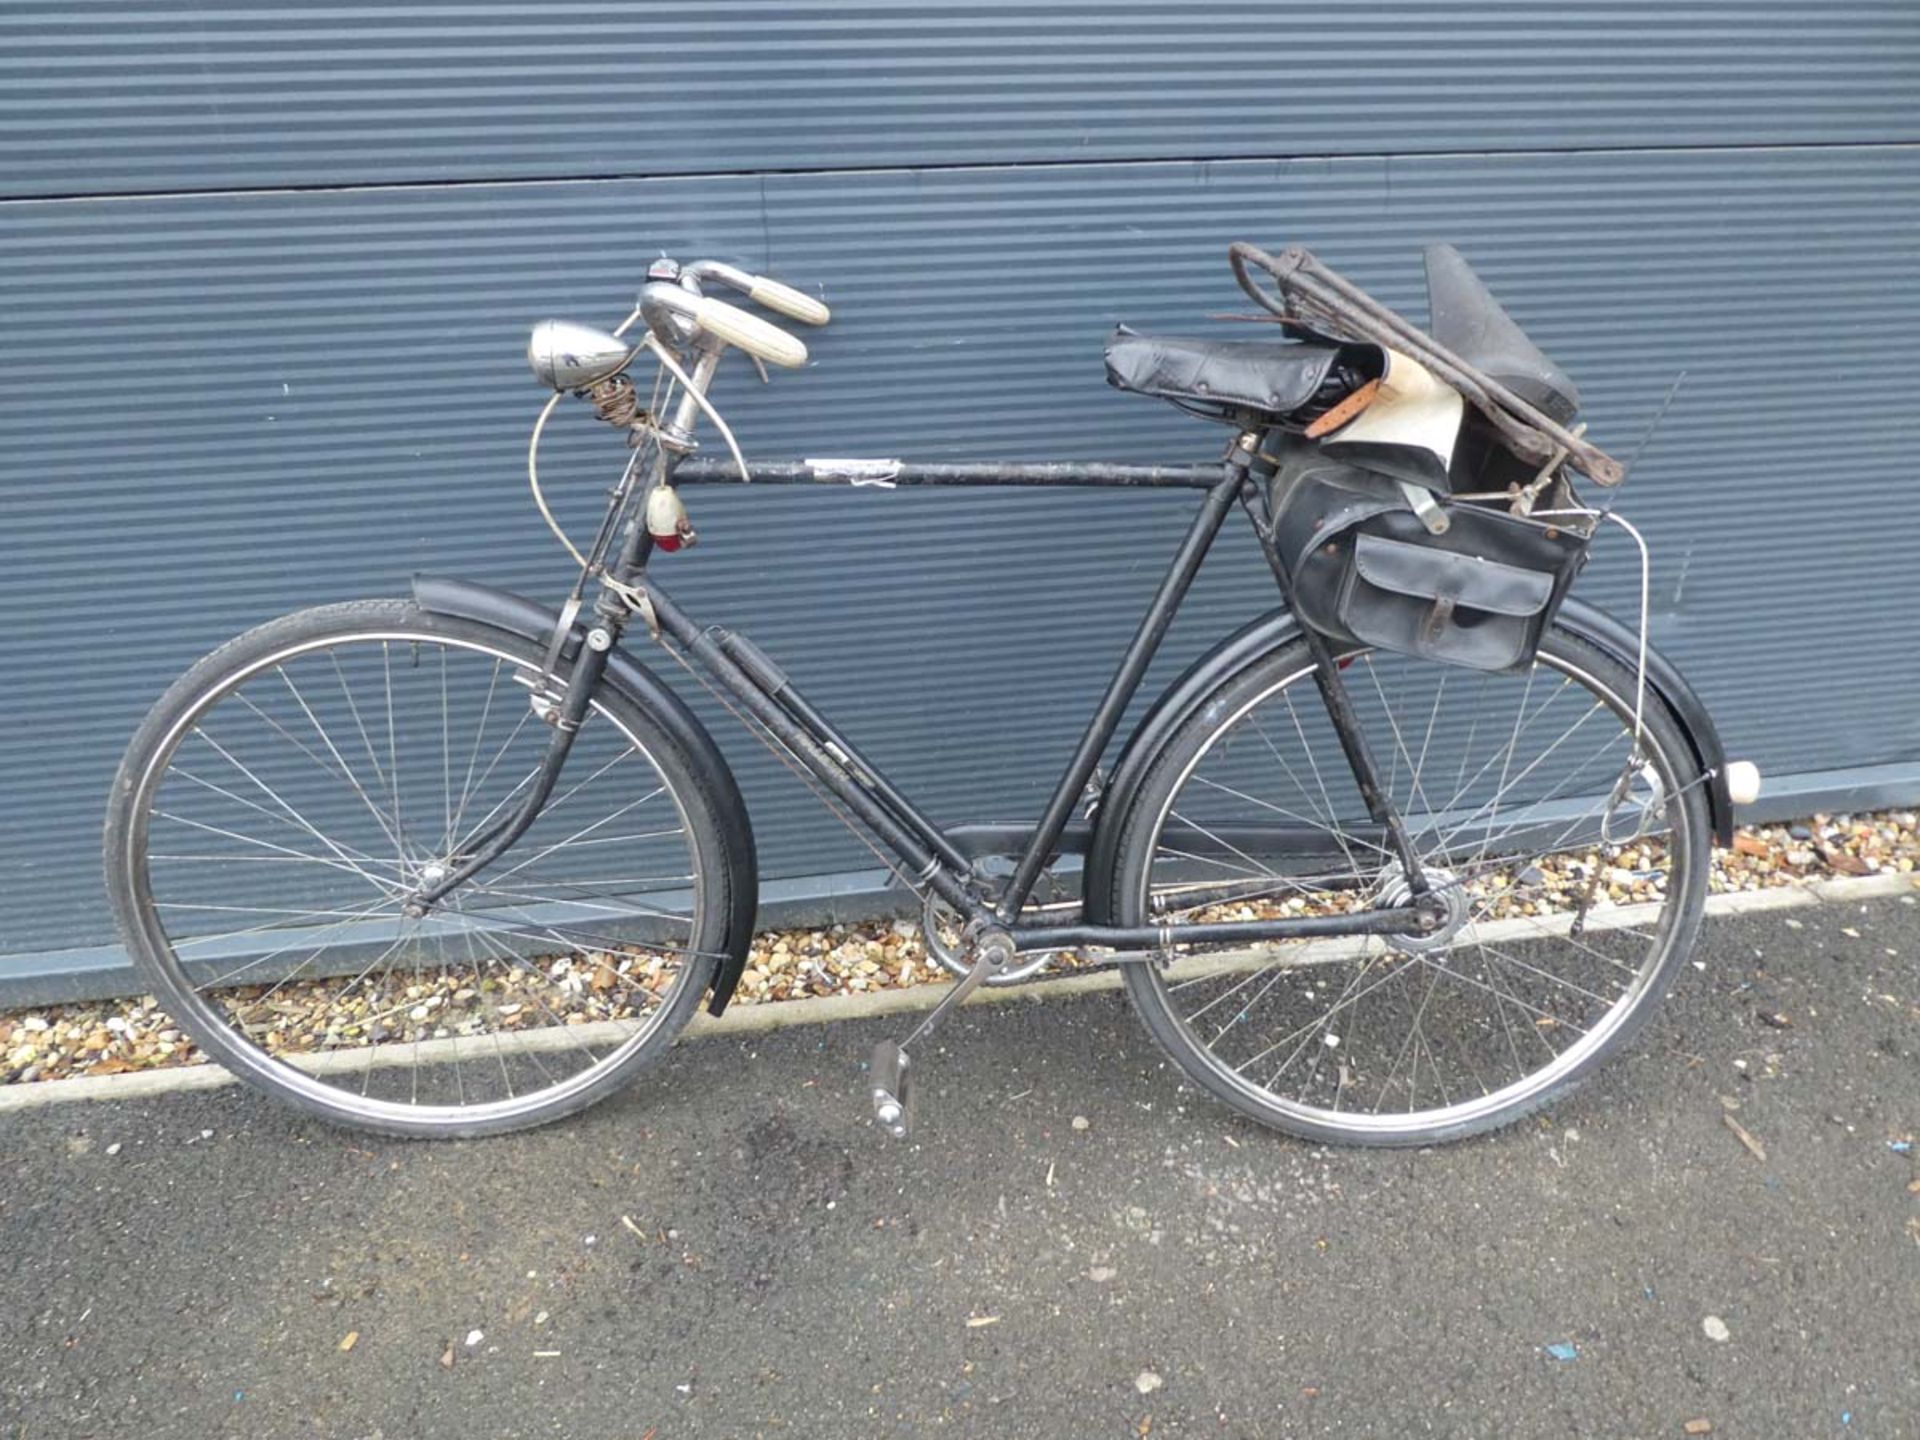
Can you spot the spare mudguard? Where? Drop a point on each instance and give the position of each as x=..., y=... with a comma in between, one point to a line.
x=521, y=616
x=1274, y=629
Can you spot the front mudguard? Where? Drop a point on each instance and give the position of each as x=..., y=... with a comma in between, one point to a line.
x=1261, y=637
x=531, y=620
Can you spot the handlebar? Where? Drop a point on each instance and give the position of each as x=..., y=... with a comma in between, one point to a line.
x=794, y=304
x=788, y=301
x=675, y=306
x=677, y=312
x=674, y=312
x=749, y=332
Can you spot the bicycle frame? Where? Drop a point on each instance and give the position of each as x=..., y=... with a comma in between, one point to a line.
x=929, y=855
x=922, y=846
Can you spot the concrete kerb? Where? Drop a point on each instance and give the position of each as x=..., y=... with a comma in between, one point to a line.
x=753, y=1019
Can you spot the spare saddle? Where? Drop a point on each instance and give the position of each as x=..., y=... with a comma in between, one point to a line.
x=1220, y=378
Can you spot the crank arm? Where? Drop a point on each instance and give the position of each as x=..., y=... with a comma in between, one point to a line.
x=892, y=1087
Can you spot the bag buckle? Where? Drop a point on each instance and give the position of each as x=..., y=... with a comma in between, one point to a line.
x=1436, y=621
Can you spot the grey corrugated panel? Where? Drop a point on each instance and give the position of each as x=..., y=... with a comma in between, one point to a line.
x=152, y=97
x=220, y=407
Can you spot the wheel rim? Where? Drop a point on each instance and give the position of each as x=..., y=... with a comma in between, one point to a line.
x=283, y=819
x=1382, y=1036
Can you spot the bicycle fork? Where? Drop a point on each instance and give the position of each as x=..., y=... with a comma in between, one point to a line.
x=564, y=713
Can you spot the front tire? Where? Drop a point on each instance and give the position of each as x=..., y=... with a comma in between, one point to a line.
x=1576, y=880
x=285, y=796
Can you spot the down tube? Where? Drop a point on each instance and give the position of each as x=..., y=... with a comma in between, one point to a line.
x=1126, y=680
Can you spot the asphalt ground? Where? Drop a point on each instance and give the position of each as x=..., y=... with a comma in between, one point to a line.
x=733, y=1250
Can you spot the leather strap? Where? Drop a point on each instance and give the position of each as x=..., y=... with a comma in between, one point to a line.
x=1343, y=412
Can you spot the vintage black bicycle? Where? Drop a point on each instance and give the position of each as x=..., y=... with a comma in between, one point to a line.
x=1399, y=861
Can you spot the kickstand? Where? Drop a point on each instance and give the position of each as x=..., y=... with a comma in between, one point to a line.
x=892, y=1077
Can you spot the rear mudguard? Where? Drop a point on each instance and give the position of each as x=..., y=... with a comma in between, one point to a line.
x=1277, y=627
x=518, y=615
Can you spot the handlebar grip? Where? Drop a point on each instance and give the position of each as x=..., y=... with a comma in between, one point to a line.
x=788, y=301
x=749, y=332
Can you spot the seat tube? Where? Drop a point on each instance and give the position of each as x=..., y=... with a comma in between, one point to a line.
x=1126, y=680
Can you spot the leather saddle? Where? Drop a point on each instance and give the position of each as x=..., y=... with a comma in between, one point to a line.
x=1217, y=378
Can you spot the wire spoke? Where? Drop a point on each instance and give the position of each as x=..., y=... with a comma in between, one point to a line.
x=343, y=865
x=1282, y=810
x=1259, y=871
x=480, y=785
x=326, y=739
x=295, y=849
x=371, y=913
x=1419, y=1035
x=1306, y=748
x=473, y=759
x=285, y=806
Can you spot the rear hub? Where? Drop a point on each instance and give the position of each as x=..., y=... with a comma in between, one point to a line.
x=1447, y=898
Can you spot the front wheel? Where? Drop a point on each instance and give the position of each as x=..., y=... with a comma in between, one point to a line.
x=1572, y=862
x=289, y=793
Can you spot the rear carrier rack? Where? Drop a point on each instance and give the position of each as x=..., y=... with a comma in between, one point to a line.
x=1315, y=296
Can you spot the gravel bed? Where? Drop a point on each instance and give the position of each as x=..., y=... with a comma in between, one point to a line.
x=119, y=1036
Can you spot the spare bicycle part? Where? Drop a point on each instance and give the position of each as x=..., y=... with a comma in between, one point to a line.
x=1316, y=296
x=1743, y=782
x=615, y=401
x=1098, y=474
x=1443, y=888
x=667, y=520
x=892, y=1089
x=943, y=930
x=1347, y=409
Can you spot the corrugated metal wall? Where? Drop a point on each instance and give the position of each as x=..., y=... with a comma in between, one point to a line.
x=266, y=275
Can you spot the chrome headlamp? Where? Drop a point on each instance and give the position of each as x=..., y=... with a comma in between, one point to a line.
x=569, y=356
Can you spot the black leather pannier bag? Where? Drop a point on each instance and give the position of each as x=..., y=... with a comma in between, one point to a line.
x=1367, y=569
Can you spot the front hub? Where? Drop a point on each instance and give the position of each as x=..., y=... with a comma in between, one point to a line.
x=431, y=874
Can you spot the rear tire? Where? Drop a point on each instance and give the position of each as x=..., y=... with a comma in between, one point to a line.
x=1568, y=934
x=293, y=787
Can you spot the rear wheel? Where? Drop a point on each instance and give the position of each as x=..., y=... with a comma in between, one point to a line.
x=1573, y=866
x=290, y=791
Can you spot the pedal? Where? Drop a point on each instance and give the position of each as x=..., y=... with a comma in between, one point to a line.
x=892, y=1080
x=892, y=1089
